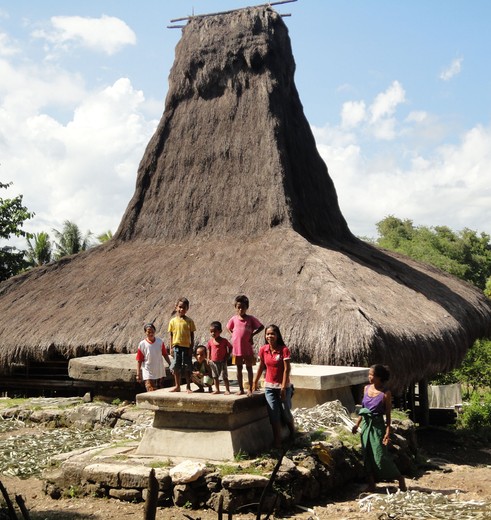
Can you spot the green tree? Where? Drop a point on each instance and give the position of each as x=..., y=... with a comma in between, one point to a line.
x=70, y=240
x=39, y=249
x=13, y=214
x=104, y=237
x=465, y=254
x=487, y=289
x=475, y=371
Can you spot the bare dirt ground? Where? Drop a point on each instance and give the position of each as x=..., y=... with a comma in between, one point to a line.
x=464, y=468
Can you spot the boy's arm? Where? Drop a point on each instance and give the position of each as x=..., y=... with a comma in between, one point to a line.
x=258, y=330
x=171, y=348
x=165, y=355
x=139, y=371
x=192, y=340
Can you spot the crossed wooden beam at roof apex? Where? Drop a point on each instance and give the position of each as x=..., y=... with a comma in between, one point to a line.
x=227, y=12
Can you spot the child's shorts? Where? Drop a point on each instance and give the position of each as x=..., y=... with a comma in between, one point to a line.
x=248, y=361
x=183, y=358
x=153, y=384
x=219, y=368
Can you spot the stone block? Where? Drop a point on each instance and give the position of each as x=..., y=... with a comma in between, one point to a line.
x=244, y=481
x=105, y=474
x=104, y=368
x=127, y=495
x=134, y=477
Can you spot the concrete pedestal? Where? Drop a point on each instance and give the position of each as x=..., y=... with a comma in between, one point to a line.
x=205, y=426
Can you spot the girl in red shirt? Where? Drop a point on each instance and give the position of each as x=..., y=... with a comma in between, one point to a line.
x=274, y=357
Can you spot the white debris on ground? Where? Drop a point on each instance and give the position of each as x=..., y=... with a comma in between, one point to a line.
x=323, y=416
x=416, y=505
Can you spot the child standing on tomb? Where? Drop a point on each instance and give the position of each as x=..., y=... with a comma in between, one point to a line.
x=182, y=329
x=201, y=374
x=219, y=350
x=243, y=327
x=274, y=358
x=150, y=365
x=375, y=435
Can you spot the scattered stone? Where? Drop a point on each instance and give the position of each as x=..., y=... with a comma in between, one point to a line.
x=244, y=481
x=187, y=471
x=127, y=495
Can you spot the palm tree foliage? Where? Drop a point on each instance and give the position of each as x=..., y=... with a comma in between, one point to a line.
x=104, y=237
x=70, y=240
x=39, y=249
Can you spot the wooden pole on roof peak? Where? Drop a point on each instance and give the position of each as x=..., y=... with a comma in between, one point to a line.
x=279, y=2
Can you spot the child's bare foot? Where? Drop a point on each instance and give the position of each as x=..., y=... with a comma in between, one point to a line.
x=227, y=392
x=189, y=391
x=216, y=392
x=249, y=393
x=240, y=392
x=175, y=389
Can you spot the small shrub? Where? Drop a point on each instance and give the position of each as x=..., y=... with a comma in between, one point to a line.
x=318, y=435
x=399, y=415
x=240, y=455
x=72, y=492
x=476, y=416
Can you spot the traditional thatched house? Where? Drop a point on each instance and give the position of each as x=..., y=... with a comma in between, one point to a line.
x=233, y=197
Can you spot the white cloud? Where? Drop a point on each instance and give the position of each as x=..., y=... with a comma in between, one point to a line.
x=106, y=34
x=7, y=48
x=452, y=70
x=449, y=186
x=378, y=119
x=82, y=170
x=385, y=103
x=417, y=116
x=352, y=113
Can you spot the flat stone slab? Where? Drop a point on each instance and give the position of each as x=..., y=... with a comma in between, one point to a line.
x=104, y=368
x=203, y=410
x=122, y=367
x=321, y=377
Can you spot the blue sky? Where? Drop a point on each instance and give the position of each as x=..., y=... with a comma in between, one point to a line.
x=398, y=95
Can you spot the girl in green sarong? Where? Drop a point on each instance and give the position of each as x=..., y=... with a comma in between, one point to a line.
x=375, y=434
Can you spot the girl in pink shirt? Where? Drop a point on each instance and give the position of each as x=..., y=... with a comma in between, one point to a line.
x=243, y=328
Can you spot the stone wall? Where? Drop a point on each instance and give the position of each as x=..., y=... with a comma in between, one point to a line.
x=311, y=469
x=309, y=472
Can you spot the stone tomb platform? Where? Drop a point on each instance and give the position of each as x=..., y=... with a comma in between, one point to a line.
x=204, y=426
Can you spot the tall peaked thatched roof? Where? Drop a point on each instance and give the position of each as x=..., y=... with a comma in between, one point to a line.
x=233, y=153
x=233, y=197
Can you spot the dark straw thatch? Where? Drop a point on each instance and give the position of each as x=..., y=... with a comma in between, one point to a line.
x=232, y=197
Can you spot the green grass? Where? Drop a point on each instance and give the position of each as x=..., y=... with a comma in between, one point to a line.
x=10, y=403
x=161, y=464
x=233, y=469
x=349, y=439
